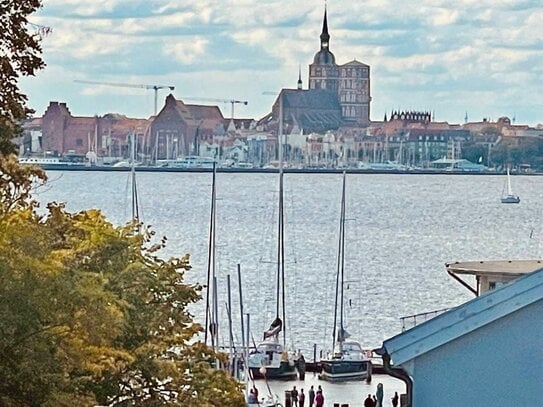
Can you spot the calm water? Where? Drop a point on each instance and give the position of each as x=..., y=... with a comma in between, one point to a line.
x=401, y=230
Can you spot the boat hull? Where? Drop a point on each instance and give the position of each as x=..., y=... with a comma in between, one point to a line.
x=342, y=370
x=285, y=371
x=511, y=199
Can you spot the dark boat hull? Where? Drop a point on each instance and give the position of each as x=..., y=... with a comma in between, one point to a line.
x=342, y=370
x=285, y=371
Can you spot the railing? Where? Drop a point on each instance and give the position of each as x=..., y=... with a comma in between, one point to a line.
x=411, y=321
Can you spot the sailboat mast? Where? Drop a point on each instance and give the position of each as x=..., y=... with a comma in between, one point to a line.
x=210, y=296
x=135, y=205
x=342, y=331
x=339, y=275
x=281, y=227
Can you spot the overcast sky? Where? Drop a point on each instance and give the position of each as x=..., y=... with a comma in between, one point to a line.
x=483, y=57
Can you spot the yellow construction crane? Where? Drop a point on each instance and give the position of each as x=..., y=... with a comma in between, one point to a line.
x=231, y=101
x=130, y=85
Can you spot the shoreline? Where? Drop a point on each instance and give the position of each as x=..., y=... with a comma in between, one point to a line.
x=85, y=168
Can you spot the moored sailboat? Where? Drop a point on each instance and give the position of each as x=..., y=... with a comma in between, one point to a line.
x=348, y=361
x=271, y=358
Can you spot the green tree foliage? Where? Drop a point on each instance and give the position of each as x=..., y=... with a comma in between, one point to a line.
x=91, y=315
x=473, y=152
x=20, y=55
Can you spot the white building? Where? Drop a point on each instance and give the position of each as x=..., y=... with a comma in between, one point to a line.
x=487, y=352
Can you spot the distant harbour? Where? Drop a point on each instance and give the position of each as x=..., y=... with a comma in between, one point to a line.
x=303, y=170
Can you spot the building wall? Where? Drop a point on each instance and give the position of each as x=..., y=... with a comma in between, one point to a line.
x=500, y=364
x=170, y=135
x=54, y=124
x=354, y=93
x=323, y=77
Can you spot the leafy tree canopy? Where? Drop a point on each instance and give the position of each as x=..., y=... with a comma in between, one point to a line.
x=20, y=55
x=91, y=315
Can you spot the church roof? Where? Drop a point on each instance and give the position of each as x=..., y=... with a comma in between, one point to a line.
x=354, y=62
x=324, y=57
x=312, y=109
x=310, y=99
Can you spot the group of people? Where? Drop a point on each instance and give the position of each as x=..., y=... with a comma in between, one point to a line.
x=374, y=401
x=314, y=398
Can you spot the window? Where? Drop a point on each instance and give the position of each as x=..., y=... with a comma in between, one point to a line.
x=78, y=142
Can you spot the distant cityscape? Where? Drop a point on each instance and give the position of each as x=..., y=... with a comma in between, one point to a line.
x=326, y=125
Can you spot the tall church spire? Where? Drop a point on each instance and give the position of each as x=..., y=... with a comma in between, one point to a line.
x=325, y=37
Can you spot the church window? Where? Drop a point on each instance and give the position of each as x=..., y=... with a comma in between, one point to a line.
x=79, y=142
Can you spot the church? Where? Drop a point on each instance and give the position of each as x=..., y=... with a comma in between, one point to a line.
x=338, y=95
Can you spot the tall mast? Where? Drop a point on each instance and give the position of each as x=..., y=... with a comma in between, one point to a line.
x=211, y=324
x=340, y=280
x=280, y=293
x=342, y=330
x=135, y=205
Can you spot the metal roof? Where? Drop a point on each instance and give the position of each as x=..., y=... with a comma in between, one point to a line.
x=465, y=318
x=493, y=267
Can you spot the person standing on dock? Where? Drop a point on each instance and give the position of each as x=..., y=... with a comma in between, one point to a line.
x=395, y=399
x=294, y=396
x=311, y=396
x=319, y=399
x=301, y=398
x=369, y=402
x=255, y=391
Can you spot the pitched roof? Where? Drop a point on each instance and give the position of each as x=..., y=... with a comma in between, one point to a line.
x=354, y=62
x=312, y=109
x=310, y=99
x=466, y=318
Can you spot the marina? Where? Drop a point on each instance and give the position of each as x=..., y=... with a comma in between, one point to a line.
x=401, y=242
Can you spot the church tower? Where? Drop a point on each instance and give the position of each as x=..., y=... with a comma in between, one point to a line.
x=323, y=72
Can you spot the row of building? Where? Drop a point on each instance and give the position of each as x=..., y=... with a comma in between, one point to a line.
x=326, y=124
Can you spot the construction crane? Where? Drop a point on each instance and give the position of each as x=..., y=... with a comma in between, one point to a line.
x=231, y=101
x=130, y=85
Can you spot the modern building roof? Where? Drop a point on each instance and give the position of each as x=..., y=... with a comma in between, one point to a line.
x=493, y=267
x=465, y=318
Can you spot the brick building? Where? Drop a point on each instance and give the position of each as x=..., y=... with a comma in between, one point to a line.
x=64, y=134
x=179, y=128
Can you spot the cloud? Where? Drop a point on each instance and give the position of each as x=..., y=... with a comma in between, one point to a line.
x=187, y=52
x=420, y=53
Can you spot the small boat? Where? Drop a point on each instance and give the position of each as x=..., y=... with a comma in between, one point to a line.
x=348, y=361
x=510, y=198
x=271, y=360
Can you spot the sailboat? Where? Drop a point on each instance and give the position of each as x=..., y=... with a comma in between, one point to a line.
x=271, y=359
x=348, y=361
x=510, y=197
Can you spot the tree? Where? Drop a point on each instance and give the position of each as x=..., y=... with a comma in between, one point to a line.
x=20, y=55
x=90, y=314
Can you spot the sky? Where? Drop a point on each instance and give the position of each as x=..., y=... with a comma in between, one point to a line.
x=483, y=58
